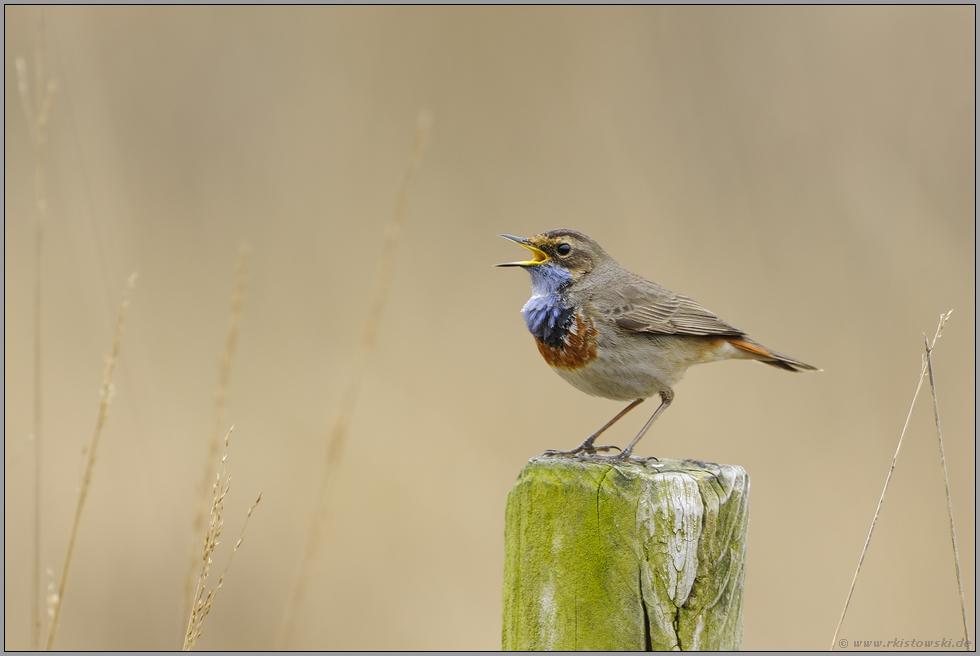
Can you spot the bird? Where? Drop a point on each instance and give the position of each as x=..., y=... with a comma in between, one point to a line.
x=614, y=334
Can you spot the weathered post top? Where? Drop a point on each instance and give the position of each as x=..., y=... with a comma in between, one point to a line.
x=625, y=557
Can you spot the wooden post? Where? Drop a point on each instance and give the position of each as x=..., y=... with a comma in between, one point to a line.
x=625, y=557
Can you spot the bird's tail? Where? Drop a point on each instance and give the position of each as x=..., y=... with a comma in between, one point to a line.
x=759, y=352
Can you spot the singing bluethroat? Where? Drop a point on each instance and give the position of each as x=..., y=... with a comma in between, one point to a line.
x=614, y=334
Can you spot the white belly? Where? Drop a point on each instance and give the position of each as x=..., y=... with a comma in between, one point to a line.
x=641, y=368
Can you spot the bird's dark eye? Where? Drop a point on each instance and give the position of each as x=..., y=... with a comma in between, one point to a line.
x=564, y=249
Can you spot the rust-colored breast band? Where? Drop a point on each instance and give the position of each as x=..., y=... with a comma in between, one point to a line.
x=576, y=350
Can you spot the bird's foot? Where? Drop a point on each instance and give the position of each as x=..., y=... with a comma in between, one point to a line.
x=619, y=458
x=584, y=450
x=626, y=457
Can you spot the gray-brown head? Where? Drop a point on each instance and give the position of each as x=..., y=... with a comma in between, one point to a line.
x=560, y=255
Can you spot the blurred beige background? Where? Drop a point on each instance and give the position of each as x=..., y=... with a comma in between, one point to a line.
x=808, y=174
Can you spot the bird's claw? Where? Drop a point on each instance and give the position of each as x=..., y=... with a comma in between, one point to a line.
x=590, y=454
x=581, y=452
x=620, y=458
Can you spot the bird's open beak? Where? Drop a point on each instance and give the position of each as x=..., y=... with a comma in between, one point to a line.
x=540, y=257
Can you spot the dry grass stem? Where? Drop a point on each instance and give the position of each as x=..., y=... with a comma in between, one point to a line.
x=203, y=597
x=105, y=397
x=51, y=599
x=37, y=124
x=888, y=478
x=338, y=433
x=220, y=400
x=943, y=318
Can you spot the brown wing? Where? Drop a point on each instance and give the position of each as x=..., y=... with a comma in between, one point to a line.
x=645, y=306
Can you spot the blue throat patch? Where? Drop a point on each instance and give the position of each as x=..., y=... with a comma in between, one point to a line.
x=545, y=315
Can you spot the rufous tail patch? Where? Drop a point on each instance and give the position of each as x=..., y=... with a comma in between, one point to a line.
x=748, y=346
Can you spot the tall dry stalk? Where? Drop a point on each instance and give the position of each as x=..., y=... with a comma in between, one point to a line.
x=203, y=598
x=888, y=478
x=338, y=433
x=220, y=401
x=37, y=114
x=105, y=397
x=942, y=456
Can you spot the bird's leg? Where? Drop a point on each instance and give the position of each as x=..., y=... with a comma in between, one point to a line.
x=665, y=399
x=586, y=446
